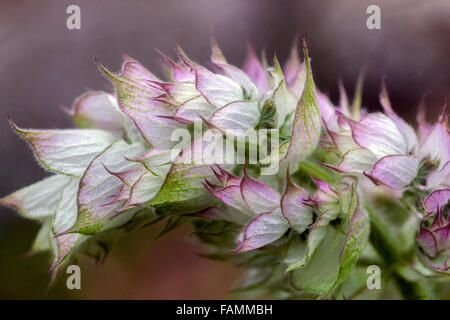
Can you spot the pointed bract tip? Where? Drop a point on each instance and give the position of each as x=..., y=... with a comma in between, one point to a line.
x=251, y=50
x=443, y=117
x=209, y=186
x=103, y=69
x=217, y=174
x=53, y=267
x=164, y=56
x=305, y=46
x=216, y=54
x=126, y=57
x=383, y=84
x=8, y=201
x=65, y=110
x=70, y=230
x=183, y=57
x=361, y=76
x=295, y=43
x=16, y=128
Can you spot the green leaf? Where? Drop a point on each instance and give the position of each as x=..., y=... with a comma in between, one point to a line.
x=322, y=269
x=356, y=105
x=296, y=254
x=280, y=93
x=66, y=151
x=306, y=128
x=357, y=236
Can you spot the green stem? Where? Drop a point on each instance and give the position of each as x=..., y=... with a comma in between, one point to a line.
x=318, y=171
x=390, y=249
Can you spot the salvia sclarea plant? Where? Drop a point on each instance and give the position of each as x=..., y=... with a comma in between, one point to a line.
x=316, y=195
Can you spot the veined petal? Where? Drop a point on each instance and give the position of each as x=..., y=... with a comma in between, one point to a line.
x=144, y=189
x=176, y=92
x=180, y=71
x=436, y=145
x=379, y=134
x=183, y=191
x=293, y=64
x=439, y=177
x=226, y=177
x=218, y=90
x=234, y=73
x=307, y=121
x=133, y=70
x=324, y=191
x=424, y=126
x=295, y=72
x=66, y=151
x=408, y=133
x=98, y=109
x=65, y=214
x=232, y=197
x=356, y=160
x=427, y=241
x=281, y=96
x=343, y=141
x=229, y=192
x=136, y=98
x=442, y=236
x=236, y=117
x=255, y=70
x=258, y=196
x=293, y=208
x=327, y=202
x=128, y=176
x=396, y=171
x=192, y=109
x=262, y=230
x=435, y=200
x=98, y=187
x=64, y=217
x=344, y=106
x=38, y=200
x=156, y=161
x=328, y=112
x=157, y=164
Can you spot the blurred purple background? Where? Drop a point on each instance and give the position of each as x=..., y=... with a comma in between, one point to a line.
x=44, y=65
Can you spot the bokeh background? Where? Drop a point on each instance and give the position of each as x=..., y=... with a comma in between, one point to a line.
x=44, y=65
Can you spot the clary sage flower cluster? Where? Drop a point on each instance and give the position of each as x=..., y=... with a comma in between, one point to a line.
x=351, y=188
